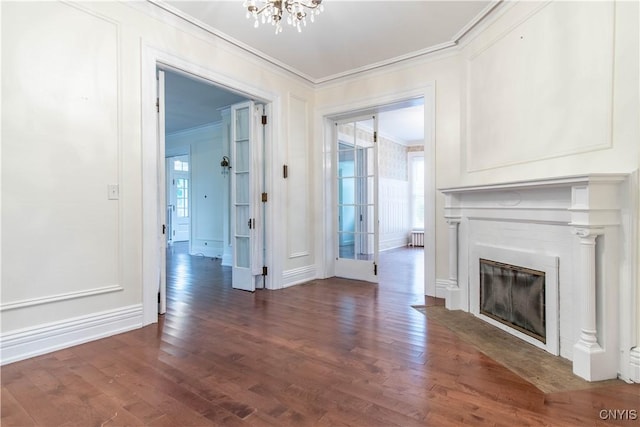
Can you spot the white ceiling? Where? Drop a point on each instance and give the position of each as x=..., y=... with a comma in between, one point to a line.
x=349, y=37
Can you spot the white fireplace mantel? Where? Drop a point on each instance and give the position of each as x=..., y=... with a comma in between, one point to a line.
x=581, y=220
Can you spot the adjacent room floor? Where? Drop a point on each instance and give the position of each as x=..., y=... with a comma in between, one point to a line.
x=332, y=352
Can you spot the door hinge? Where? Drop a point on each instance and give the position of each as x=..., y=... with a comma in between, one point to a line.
x=252, y=223
x=375, y=269
x=375, y=136
x=158, y=104
x=264, y=270
x=264, y=197
x=285, y=171
x=264, y=119
x=164, y=228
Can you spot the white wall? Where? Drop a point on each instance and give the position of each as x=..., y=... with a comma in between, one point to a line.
x=72, y=112
x=205, y=146
x=394, y=196
x=561, y=79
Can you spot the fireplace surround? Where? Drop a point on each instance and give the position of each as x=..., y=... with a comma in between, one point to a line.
x=578, y=231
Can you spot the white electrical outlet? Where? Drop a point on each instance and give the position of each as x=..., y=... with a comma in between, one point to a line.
x=113, y=192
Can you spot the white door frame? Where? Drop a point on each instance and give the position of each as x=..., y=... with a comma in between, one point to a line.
x=324, y=130
x=151, y=221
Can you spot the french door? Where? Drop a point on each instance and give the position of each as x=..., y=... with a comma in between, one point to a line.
x=356, y=200
x=247, y=139
x=178, y=199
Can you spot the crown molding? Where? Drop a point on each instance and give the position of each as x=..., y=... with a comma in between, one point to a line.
x=345, y=75
x=163, y=12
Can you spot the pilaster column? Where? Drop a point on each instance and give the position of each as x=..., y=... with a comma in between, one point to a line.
x=587, y=350
x=453, y=251
x=452, y=301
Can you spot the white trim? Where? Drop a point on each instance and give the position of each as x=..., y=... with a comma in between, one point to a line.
x=475, y=22
x=299, y=254
x=297, y=276
x=634, y=365
x=382, y=64
x=394, y=243
x=441, y=288
x=25, y=343
x=30, y=302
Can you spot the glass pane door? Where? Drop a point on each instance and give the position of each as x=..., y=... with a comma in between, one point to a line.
x=356, y=198
x=242, y=220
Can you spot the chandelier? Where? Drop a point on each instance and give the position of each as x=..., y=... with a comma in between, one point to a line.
x=271, y=11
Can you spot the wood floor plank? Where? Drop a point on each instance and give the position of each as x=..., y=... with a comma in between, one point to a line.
x=11, y=411
x=332, y=352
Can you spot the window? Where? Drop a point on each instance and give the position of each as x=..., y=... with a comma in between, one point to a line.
x=416, y=176
x=182, y=196
x=179, y=165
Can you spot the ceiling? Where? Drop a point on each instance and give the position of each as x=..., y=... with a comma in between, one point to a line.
x=190, y=103
x=349, y=37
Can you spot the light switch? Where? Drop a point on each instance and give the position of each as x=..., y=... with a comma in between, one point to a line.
x=113, y=192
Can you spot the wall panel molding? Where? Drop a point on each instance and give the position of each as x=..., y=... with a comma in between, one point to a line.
x=550, y=87
x=30, y=302
x=297, y=159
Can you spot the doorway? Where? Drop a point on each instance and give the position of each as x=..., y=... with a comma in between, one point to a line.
x=401, y=135
x=211, y=192
x=178, y=199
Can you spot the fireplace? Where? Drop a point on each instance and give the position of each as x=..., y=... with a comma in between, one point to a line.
x=515, y=296
x=516, y=289
x=578, y=231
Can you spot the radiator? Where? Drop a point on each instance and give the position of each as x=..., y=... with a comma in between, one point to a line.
x=417, y=238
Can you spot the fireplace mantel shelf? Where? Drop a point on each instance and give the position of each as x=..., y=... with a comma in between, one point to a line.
x=581, y=201
x=563, y=181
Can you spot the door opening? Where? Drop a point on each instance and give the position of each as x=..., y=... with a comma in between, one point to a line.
x=178, y=187
x=378, y=204
x=196, y=139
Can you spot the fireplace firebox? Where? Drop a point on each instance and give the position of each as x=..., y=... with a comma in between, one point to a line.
x=514, y=296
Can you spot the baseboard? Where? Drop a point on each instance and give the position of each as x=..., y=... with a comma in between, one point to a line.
x=25, y=343
x=213, y=251
x=297, y=276
x=441, y=288
x=401, y=242
x=635, y=365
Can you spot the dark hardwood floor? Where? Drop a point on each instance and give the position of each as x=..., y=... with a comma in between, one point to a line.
x=329, y=353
